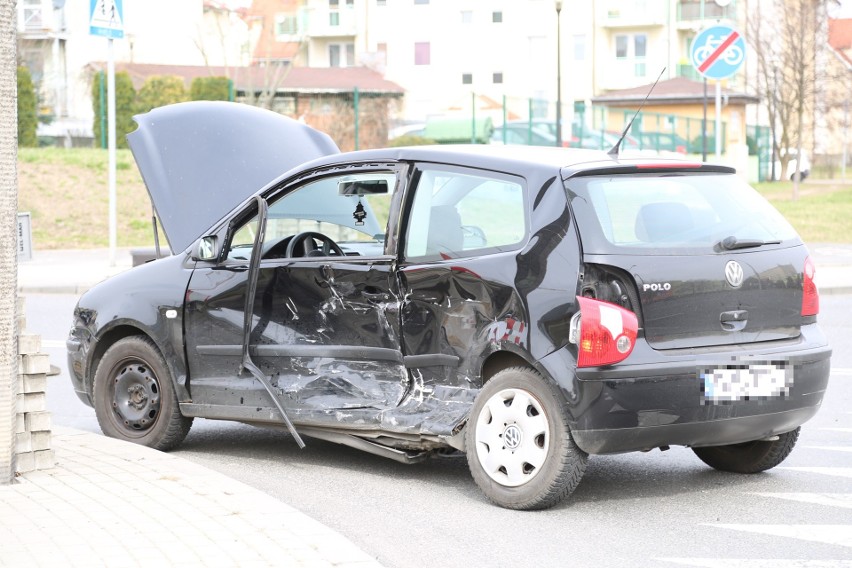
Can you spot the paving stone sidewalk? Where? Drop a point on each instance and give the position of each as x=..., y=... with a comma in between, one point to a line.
x=112, y=503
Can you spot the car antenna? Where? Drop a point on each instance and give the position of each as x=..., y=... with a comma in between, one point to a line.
x=614, y=150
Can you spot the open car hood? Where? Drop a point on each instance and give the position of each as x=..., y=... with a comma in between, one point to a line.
x=200, y=159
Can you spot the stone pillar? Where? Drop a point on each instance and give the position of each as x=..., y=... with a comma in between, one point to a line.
x=32, y=424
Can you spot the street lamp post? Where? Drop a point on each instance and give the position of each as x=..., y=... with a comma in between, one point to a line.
x=558, y=75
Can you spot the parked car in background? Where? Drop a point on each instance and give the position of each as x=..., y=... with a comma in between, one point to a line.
x=663, y=141
x=522, y=133
x=805, y=167
x=527, y=306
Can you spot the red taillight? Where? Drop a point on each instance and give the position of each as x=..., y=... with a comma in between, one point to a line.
x=810, y=294
x=604, y=333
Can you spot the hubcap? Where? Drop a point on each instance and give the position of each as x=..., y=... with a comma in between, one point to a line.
x=512, y=437
x=136, y=396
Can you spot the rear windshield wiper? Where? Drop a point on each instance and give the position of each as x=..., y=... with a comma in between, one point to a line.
x=733, y=243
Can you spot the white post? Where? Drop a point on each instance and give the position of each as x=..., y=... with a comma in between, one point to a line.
x=718, y=132
x=111, y=148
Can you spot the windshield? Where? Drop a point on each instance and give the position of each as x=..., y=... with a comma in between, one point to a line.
x=673, y=213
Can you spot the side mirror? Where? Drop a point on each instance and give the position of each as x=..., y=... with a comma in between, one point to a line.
x=208, y=249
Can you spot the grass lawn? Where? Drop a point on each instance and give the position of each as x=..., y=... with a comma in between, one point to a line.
x=66, y=193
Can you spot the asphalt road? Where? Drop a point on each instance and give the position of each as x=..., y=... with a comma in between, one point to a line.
x=652, y=509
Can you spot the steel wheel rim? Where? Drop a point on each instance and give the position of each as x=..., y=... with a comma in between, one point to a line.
x=135, y=396
x=512, y=436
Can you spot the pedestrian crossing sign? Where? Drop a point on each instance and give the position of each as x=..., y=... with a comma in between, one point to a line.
x=107, y=18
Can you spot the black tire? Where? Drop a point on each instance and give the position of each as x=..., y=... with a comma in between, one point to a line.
x=749, y=457
x=134, y=396
x=546, y=465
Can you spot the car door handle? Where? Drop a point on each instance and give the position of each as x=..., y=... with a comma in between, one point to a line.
x=375, y=296
x=734, y=320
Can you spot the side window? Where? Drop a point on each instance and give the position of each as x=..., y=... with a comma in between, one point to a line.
x=349, y=211
x=457, y=214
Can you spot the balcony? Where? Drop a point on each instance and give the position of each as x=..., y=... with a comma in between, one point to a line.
x=689, y=13
x=323, y=21
x=632, y=13
x=38, y=20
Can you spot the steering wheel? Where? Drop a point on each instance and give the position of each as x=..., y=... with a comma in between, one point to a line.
x=306, y=244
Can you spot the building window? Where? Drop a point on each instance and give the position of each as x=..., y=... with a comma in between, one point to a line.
x=497, y=78
x=333, y=4
x=341, y=54
x=579, y=47
x=334, y=18
x=467, y=17
x=467, y=78
x=286, y=25
x=421, y=1
x=621, y=46
x=632, y=49
x=422, y=53
x=381, y=2
x=497, y=17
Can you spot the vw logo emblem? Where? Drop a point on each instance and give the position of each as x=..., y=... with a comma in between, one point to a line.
x=512, y=436
x=734, y=274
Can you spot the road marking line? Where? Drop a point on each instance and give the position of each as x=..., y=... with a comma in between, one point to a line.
x=838, y=535
x=844, y=372
x=53, y=343
x=757, y=563
x=836, y=429
x=843, y=500
x=830, y=448
x=835, y=471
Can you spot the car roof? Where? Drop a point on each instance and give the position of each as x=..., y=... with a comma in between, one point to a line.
x=503, y=158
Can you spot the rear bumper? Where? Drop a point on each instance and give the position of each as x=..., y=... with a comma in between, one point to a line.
x=659, y=400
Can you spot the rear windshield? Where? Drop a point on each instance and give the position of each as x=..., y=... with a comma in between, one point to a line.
x=673, y=214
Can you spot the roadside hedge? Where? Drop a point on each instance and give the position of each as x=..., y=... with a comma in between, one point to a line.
x=27, y=111
x=125, y=98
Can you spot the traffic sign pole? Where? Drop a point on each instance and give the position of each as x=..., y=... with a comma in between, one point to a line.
x=106, y=19
x=111, y=148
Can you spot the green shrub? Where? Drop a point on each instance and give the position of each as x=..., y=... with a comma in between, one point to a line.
x=210, y=89
x=27, y=112
x=125, y=98
x=160, y=90
x=410, y=140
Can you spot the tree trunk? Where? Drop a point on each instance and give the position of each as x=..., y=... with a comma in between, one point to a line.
x=8, y=243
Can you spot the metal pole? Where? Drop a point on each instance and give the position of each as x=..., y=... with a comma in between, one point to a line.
x=505, y=114
x=111, y=147
x=717, y=134
x=102, y=109
x=473, y=118
x=558, y=75
x=845, y=139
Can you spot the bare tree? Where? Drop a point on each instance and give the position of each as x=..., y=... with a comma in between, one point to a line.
x=8, y=248
x=789, y=37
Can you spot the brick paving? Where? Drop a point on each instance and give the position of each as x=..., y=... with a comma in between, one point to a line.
x=112, y=503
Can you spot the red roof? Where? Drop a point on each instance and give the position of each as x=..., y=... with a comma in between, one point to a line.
x=840, y=39
x=679, y=90
x=284, y=78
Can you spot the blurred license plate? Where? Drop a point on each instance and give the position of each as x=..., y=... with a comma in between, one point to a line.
x=750, y=382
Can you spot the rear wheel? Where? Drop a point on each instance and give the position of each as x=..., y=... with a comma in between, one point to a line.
x=749, y=457
x=134, y=397
x=519, y=447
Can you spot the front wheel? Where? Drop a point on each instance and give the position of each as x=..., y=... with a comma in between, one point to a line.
x=134, y=397
x=519, y=446
x=749, y=457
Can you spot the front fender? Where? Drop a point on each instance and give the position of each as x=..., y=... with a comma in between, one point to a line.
x=145, y=300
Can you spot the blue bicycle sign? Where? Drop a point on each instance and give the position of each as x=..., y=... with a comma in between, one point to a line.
x=718, y=52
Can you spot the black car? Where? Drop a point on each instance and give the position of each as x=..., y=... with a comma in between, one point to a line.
x=528, y=306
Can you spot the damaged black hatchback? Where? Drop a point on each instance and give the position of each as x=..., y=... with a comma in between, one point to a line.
x=528, y=306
